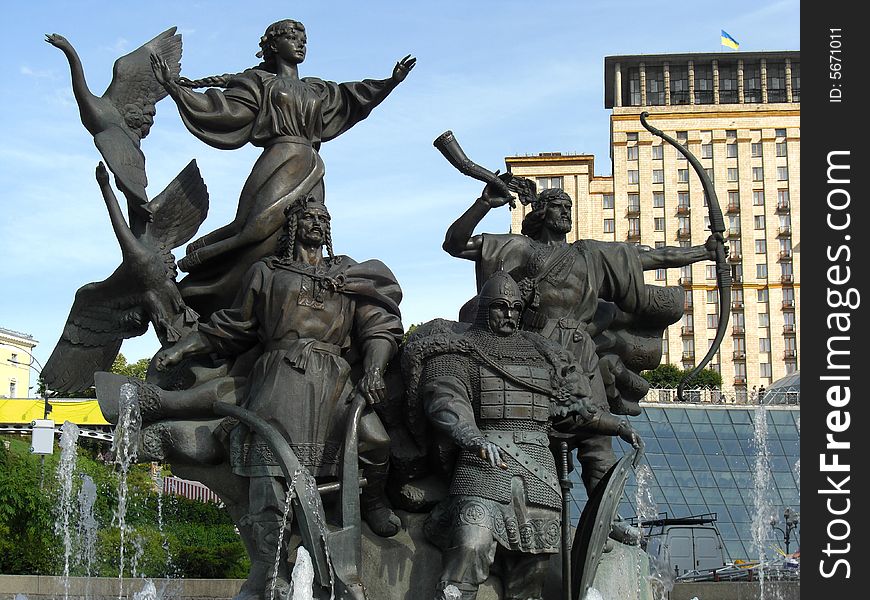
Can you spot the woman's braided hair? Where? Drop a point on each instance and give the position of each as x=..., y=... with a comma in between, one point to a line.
x=274, y=30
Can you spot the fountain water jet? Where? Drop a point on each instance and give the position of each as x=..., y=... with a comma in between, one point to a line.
x=65, y=476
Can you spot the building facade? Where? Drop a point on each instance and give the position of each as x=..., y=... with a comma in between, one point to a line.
x=739, y=113
x=15, y=351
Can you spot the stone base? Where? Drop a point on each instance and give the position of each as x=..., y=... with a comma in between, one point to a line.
x=404, y=567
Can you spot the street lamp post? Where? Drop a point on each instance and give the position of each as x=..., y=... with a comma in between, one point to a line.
x=792, y=520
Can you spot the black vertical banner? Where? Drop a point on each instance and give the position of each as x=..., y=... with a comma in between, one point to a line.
x=835, y=259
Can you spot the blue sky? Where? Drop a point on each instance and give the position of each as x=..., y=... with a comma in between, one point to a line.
x=508, y=77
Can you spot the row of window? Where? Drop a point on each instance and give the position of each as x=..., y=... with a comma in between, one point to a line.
x=684, y=226
x=658, y=199
x=762, y=297
x=731, y=151
x=703, y=93
x=658, y=175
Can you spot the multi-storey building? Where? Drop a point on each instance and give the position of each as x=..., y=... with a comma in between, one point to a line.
x=15, y=350
x=739, y=113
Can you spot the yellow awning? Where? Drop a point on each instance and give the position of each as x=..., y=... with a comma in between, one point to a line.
x=85, y=412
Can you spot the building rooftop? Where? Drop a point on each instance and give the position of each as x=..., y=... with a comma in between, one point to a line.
x=18, y=334
x=628, y=61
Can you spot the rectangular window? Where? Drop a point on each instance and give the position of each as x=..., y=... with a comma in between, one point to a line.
x=631, y=136
x=658, y=176
x=706, y=150
x=764, y=344
x=728, y=90
x=781, y=149
x=634, y=226
x=731, y=134
x=683, y=175
x=732, y=174
x=12, y=389
x=709, y=172
x=734, y=223
x=634, y=202
x=761, y=246
x=765, y=370
x=712, y=296
x=679, y=84
x=655, y=86
x=782, y=198
x=607, y=201
x=633, y=87
x=795, y=81
x=755, y=149
x=780, y=133
x=761, y=271
x=782, y=173
x=658, y=152
x=731, y=150
x=547, y=183
x=683, y=198
x=660, y=274
x=757, y=173
x=710, y=271
x=763, y=320
x=758, y=197
x=776, y=91
x=712, y=321
x=631, y=152
x=659, y=223
x=752, y=82
x=761, y=294
x=759, y=221
x=609, y=225
x=703, y=84
x=658, y=199
x=633, y=176
x=740, y=371
x=733, y=198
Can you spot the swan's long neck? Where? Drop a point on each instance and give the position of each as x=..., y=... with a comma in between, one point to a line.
x=84, y=98
x=130, y=246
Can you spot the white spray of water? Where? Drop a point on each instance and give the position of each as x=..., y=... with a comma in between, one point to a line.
x=797, y=464
x=65, y=476
x=157, y=478
x=87, y=530
x=148, y=592
x=593, y=594
x=125, y=448
x=302, y=576
x=762, y=503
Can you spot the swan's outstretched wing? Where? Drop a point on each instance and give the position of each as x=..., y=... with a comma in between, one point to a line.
x=177, y=211
x=102, y=316
x=126, y=161
x=133, y=81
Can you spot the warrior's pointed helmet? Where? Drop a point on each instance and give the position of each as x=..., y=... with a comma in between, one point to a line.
x=499, y=287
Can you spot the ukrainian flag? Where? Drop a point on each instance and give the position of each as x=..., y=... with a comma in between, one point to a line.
x=729, y=41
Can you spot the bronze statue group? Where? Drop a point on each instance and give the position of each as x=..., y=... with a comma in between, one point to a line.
x=269, y=321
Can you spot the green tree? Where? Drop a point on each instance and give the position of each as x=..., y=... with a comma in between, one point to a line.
x=120, y=366
x=137, y=369
x=669, y=376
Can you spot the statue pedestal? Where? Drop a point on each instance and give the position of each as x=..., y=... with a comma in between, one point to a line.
x=406, y=566
x=623, y=575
